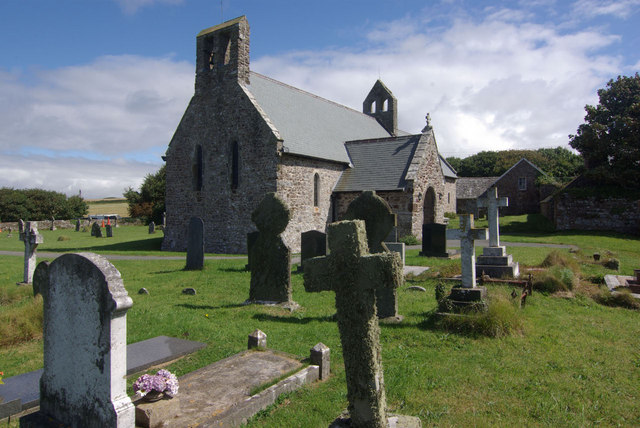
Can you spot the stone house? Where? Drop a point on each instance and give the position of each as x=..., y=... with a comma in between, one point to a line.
x=244, y=134
x=583, y=205
x=519, y=184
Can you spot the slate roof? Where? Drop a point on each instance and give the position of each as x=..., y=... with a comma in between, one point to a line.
x=311, y=125
x=447, y=170
x=379, y=164
x=472, y=187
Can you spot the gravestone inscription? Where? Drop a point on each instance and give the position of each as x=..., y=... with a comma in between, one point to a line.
x=84, y=379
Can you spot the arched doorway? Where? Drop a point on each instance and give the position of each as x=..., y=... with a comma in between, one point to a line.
x=429, y=206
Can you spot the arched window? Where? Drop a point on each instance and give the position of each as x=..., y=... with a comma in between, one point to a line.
x=235, y=166
x=197, y=169
x=316, y=190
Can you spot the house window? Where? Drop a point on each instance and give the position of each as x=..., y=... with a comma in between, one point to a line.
x=316, y=189
x=522, y=183
x=235, y=163
x=197, y=169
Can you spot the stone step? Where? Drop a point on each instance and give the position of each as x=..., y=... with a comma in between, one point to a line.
x=510, y=271
x=495, y=260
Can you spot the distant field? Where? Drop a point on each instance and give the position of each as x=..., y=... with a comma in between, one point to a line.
x=108, y=206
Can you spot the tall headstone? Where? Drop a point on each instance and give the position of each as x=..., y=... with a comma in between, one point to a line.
x=53, y=224
x=96, y=230
x=379, y=220
x=85, y=364
x=355, y=275
x=31, y=239
x=195, y=244
x=109, y=229
x=78, y=225
x=270, y=258
x=152, y=227
x=467, y=235
x=252, y=237
x=494, y=260
x=434, y=240
x=313, y=243
x=21, y=227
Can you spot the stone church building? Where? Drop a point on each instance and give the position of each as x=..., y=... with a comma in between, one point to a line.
x=244, y=134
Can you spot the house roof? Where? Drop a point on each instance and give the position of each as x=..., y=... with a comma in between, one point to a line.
x=447, y=169
x=310, y=125
x=473, y=187
x=379, y=164
x=518, y=163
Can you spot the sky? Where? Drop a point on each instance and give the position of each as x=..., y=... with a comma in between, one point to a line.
x=91, y=91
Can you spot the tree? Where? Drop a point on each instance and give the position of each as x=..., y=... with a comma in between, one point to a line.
x=38, y=204
x=148, y=203
x=609, y=140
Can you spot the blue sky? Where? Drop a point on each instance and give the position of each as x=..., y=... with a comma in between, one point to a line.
x=92, y=90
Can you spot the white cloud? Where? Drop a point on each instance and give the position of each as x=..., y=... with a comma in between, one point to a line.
x=491, y=84
x=116, y=108
x=617, y=8
x=130, y=7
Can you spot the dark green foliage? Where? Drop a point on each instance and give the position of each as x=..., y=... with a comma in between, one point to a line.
x=609, y=140
x=148, y=203
x=559, y=163
x=612, y=263
x=440, y=291
x=409, y=240
x=38, y=204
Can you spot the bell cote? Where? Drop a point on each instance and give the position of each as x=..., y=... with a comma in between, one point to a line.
x=381, y=104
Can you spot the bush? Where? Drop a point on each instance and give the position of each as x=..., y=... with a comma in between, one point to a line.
x=555, y=279
x=501, y=318
x=409, y=240
x=622, y=298
x=64, y=238
x=440, y=291
x=613, y=264
x=451, y=215
x=557, y=258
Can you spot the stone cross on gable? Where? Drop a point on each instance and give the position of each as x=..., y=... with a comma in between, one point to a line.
x=355, y=275
x=492, y=203
x=467, y=234
x=31, y=238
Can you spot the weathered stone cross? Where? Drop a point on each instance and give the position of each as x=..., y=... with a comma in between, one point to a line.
x=492, y=203
x=379, y=220
x=467, y=234
x=355, y=275
x=31, y=238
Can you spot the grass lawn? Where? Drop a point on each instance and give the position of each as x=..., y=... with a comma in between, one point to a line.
x=575, y=362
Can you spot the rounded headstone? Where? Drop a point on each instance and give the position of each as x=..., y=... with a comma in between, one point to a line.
x=272, y=215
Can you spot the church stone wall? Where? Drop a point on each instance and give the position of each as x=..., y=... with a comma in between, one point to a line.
x=296, y=186
x=449, y=197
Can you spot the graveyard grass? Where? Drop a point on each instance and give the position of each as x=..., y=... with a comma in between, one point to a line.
x=574, y=363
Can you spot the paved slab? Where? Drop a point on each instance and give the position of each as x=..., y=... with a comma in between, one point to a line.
x=22, y=392
x=218, y=395
x=416, y=270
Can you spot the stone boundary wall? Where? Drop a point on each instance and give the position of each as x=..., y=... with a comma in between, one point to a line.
x=42, y=224
x=614, y=214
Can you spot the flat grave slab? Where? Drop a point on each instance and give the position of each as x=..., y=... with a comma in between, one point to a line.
x=218, y=395
x=22, y=392
x=416, y=270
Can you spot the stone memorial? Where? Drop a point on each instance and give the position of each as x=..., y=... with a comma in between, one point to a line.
x=467, y=234
x=152, y=228
x=96, y=230
x=21, y=227
x=53, y=224
x=494, y=260
x=31, y=238
x=77, y=225
x=434, y=240
x=313, y=243
x=195, y=244
x=269, y=257
x=252, y=237
x=41, y=277
x=85, y=363
x=379, y=220
x=354, y=275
